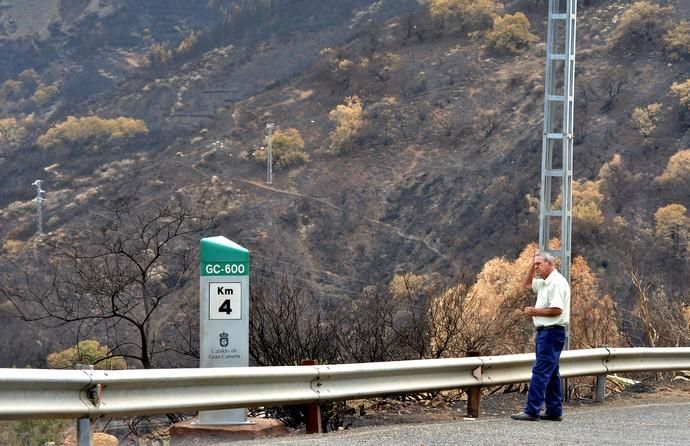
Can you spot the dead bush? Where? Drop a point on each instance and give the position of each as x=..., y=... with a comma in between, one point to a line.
x=286, y=324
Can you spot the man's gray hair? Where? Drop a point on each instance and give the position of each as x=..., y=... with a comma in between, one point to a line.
x=546, y=256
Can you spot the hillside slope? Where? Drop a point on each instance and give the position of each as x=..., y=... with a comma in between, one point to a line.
x=441, y=177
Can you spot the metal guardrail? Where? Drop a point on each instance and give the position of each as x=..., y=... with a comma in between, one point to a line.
x=29, y=393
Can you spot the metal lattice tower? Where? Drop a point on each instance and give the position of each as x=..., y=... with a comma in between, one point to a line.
x=557, y=146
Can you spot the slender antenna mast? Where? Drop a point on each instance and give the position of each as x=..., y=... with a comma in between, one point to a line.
x=39, y=205
x=269, y=158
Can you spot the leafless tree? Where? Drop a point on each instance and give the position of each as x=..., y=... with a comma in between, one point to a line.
x=663, y=320
x=286, y=323
x=614, y=83
x=365, y=327
x=118, y=278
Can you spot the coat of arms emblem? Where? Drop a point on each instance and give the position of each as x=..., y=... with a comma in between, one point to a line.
x=223, y=339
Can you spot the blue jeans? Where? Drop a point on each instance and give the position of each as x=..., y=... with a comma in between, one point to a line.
x=545, y=386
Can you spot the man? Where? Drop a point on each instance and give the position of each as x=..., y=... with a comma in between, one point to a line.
x=551, y=315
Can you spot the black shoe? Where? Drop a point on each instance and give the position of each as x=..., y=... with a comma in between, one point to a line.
x=551, y=417
x=522, y=416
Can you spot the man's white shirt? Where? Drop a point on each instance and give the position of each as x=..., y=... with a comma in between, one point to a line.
x=552, y=292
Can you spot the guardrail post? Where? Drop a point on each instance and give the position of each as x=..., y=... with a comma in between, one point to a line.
x=84, y=433
x=600, y=393
x=473, y=395
x=313, y=410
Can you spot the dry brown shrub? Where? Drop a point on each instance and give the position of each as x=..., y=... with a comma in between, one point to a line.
x=408, y=284
x=98, y=439
x=490, y=311
x=11, y=246
x=510, y=34
x=11, y=90
x=593, y=316
x=11, y=131
x=188, y=43
x=645, y=118
x=682, y=89
x=587, y=200
x=677, y=170
x=677, y=41
x=161, y=54
x=287, y=149
x=91, y=128
x=44, y=94
x=644, y=22
x=472, y=14
x=672, y=222
x=349, y=120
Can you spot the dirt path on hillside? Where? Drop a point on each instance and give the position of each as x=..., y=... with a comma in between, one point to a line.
x=390, y=227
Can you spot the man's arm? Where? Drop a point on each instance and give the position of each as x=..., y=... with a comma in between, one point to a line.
x=527, y=281
x=543, y=312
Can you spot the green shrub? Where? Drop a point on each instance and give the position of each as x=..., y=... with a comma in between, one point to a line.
x=91, y=129
x=642, y=23
x=33, y=432
x=511, y=34
x=677, y=41
x=287, y=149
x=89, y=352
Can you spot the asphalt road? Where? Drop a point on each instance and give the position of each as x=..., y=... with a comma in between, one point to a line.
x=644, y=424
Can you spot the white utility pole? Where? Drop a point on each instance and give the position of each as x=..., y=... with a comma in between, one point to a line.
x=39, y=205
x=269, y=158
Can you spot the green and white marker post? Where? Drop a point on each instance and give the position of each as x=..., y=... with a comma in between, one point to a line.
x=224, y=314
